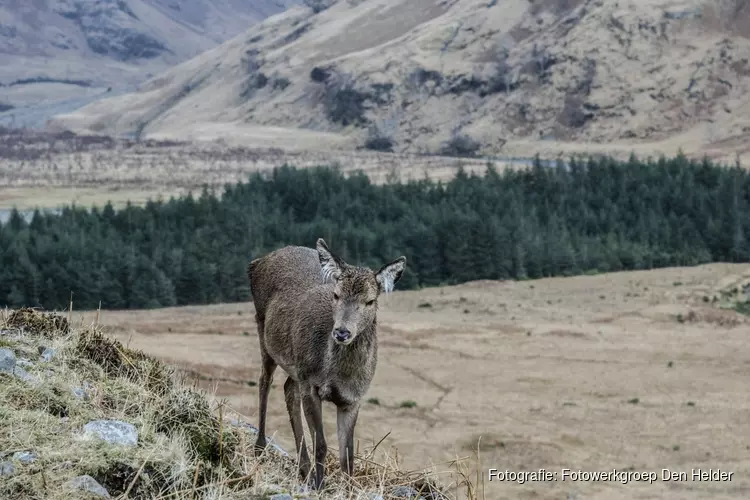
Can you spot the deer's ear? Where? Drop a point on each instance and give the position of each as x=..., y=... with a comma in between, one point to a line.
x=389, y=274
x=330, y=265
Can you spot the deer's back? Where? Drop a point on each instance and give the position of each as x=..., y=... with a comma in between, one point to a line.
x=286, y=274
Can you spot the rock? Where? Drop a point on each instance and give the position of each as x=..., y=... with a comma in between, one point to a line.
x=47, y=353
x=25, y=457
x=24, y=362
x=24, y=375
x=375, y=496
x=112, y=431
x=7, y=469
x=273, y=488
x=244, y=425
x=282, y=496
x=7, y=361
x=279, y=449
x=254, y=430
x=83, y=392
x=9, y=364
x=88, y=483
x=405, y=491
x=68, y=464
x=80, y=393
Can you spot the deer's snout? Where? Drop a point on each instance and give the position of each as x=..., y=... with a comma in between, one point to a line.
x=341, y=334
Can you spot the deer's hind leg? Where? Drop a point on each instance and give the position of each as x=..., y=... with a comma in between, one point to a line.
x=293, y=406
x=268, y=367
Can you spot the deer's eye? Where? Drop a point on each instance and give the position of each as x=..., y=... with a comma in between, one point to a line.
x=335, y=296
x=369, y=302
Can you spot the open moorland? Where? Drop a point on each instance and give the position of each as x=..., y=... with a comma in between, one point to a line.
x=48, y=170
x=636, y=371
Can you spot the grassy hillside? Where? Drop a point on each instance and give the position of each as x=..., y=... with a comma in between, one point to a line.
x=159, y=437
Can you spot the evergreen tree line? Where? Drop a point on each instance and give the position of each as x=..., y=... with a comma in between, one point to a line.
x=592, y=215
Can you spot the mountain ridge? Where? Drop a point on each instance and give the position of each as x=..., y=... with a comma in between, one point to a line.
x=68, y=52
x=461, y=77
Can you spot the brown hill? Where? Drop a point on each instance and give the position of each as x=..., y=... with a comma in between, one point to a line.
x=513, y=76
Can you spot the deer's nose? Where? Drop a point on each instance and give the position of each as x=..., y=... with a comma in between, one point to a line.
x=341, y=334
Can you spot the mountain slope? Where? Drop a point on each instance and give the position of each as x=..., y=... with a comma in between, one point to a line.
x=55, y=50
x=426, y=75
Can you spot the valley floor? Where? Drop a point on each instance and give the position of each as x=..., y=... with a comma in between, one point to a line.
x=629, y=371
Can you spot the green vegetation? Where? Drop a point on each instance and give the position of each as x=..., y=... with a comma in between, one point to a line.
x=595, y=216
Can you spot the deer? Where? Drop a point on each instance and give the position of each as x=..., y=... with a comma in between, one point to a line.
x=317, y=319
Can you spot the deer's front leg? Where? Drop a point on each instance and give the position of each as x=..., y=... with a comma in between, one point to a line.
x=312, y=406
x=346, y=419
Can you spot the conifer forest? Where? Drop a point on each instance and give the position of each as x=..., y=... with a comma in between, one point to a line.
x=584, y=216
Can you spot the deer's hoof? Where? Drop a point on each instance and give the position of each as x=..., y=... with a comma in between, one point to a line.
x=317, y=483
x=259, y=448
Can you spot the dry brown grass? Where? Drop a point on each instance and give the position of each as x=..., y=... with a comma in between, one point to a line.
x=46, y=170
x=187, y=447
x=534, y=374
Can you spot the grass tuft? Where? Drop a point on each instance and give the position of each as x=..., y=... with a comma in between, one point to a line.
x=119, y=361
x=36, y=323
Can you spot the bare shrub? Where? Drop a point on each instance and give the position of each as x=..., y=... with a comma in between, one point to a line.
x=573, y=114
x=318, y=6
x=319, y=75
x=343, y=102
x=460, y=145
x=539, y=62
x=380, y=135
x=280, y=83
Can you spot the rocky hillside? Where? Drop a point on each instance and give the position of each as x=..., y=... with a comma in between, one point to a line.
x=461, y=76
x=65, y=51
x=90, y=418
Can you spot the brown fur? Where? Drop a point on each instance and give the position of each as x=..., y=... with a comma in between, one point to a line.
x=317, y=320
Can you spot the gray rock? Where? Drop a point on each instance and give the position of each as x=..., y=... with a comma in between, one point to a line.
x=279, y=449
x=47, y=353
x=7, y=361
x=254, y=430
x=375, y=496
x=7, y=469
x=248, y=427
x=9, y=364
x=25, y=457
x=24, y=375
x=68, y=464
x=405, y=491
x=80, y=393
x=24, y=362
x=282, y=496
x=83, y=392
x=88, y=483
x=302, y=489
x=112, y=431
